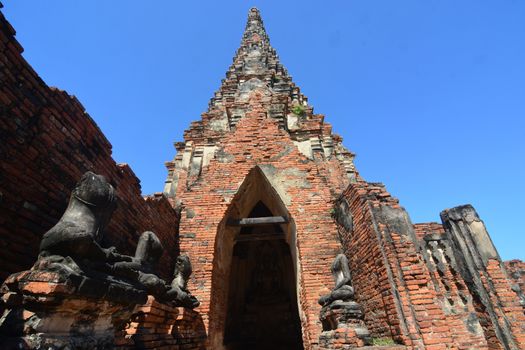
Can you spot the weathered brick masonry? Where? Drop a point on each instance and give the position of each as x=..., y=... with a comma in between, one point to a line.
x=516, y=268
x=497, y=305
x=159, y=326
x=452, y=292
x=405, y=275
x=394, y=276
x=271, y=150
x=258, y=153
x=47, y=141
x=259, y=141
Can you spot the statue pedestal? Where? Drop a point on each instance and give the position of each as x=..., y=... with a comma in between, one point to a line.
x=52, y=310
x=343, y=326
x=155, y=325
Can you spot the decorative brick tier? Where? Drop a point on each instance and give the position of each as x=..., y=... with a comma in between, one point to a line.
x=256, y=66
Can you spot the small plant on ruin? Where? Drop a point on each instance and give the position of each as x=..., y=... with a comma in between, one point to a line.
x=299, y=110
x=382, y=341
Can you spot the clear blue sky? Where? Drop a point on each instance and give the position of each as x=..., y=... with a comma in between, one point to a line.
x=429, y=94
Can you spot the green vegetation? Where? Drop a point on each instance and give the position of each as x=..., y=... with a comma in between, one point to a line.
x=382, y=341
x=299, y=110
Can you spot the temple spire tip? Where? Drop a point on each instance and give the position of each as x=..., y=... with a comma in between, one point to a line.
x=254, y=25
x=254, y=11
x=254, y=15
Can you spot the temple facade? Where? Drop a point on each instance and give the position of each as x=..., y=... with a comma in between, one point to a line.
x=290, y=247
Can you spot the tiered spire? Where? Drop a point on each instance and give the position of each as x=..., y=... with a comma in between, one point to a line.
x=254, y=31
x=255, y=58
x=256, y=66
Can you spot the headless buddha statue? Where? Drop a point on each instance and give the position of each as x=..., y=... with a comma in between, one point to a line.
x=343, y=289
x=72, y=246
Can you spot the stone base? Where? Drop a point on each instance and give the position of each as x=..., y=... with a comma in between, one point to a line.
x=341, y=338
x=50, y=310
x=343, y=326
x=157, y=325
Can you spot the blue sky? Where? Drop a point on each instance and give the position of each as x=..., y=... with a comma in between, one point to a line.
x=430, y=95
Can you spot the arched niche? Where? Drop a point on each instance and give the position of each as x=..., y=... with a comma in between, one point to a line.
x=254, y=295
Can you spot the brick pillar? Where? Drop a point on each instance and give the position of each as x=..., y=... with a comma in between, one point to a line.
x=486, y=277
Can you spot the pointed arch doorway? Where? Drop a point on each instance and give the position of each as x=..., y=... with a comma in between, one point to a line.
x=255, y=272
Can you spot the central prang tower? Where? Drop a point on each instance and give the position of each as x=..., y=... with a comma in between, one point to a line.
x=256, y=70
x=269, y=197
x=259, y=150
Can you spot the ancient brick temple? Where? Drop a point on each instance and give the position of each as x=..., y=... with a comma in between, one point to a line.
x=291, y=248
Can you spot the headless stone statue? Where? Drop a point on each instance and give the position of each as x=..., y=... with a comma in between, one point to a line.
x=72, y=258
x=72, y=248
x=148, y=252
x=178, y=292
x=142, y=265
x=85, y=292
x=73, y=243
x=340, y=310
x=343, y=289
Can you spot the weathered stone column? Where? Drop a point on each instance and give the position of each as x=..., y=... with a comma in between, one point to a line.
x=486, y=277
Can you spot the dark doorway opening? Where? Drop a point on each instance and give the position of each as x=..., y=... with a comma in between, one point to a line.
x=262, y=302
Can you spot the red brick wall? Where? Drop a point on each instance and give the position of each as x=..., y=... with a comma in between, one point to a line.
x=453, y=295
x=47, y=142
x=258, y=141
x=366, y=259
x=509, y=309
x=428, y=228
x=393, y=281
x=516, y=270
